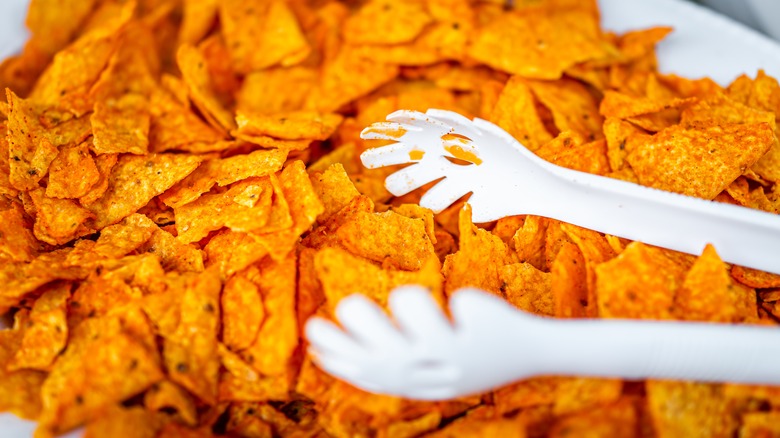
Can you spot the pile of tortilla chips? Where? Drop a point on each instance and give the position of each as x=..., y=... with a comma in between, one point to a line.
x=180, y=189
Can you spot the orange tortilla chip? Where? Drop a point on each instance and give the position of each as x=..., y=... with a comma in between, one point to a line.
x=272, y=349
x=262, y=34
x=707, y=293
x=343, y=274
x=166, y=395
x=66, y=83
x=623, y=106
x=135, y=422
x=516, y=113
x=469, y=266
x=173, y=126
x=79, y=388
x=240, y=382
x=622, y=138
x=73, y=173
x=18, y=243
x=195, y=73
x=348, y=76
x=46, y=331
x=386, y=22
x=688, y=409
x=53, y=23
x=573, y=107
x=639, y=283
x=121, y=125
x=571, y=152
x=135, y=180
x=59, y=221
x=190, y=353
x=539, y=49
x=677, y=159
x=614, y=420
x=527, y=288
x=755, y=278
x=259, y=91
x=223, y=172
x=19, y=390
x=30, y=151
x=569, y=287
x=529, y=241
x=104, y=164
x=371, y=235
x=334, y=189
x=299, y=125
x=242, y=313
x=174, y=255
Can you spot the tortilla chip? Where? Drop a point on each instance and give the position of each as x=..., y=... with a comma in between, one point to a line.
x=135, y=180
x=242, y=313
x=73, y=173
x=539, y=50
x=19, y=390
x=258, y=92
x=478, y=259
x=569, y=286
x=383, y=22
x=334, y=189
x=342, y=274
x=121, y=125
x=690, y=409
x=106, y=362
x=700, y=162
x=622, y=137
x=46, y=331
x=223, y=172
x=571, y=152
x=755, y=278
x=238, y=381
x=196, y=76
x=529, y=241
x=190, y=353
x=54, y=23
x=348, y=76
x=516, y=113
x=29, y=150
x=707, y=293
x=527, y=288
x=59, y=221
x=639, y=283
x=371, y=235
x=133, y=422
x=610, y=421
x=18, y=243
x=623, y=106
x=299, y=125
x=166, y=395
x=271, y=351
x=197, y=20
x=174, y=255
x=173, y=126
x=65, y=84
x=573, y=107
x=262, y=34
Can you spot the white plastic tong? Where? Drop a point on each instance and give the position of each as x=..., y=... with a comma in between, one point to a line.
x=422, y=354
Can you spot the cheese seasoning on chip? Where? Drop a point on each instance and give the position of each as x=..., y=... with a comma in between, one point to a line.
x=181, y=188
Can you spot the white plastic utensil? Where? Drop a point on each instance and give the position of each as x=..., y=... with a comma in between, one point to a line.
x=420, y=354
x=507, y=179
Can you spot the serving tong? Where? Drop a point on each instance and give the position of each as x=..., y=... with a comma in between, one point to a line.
x=420, y=353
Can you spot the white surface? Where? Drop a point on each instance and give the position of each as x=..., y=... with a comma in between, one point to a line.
x=499, y=187
x=702, y=45
x=420, y=354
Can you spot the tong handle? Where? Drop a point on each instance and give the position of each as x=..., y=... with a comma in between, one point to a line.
x=741, y=235
x=663, y=350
